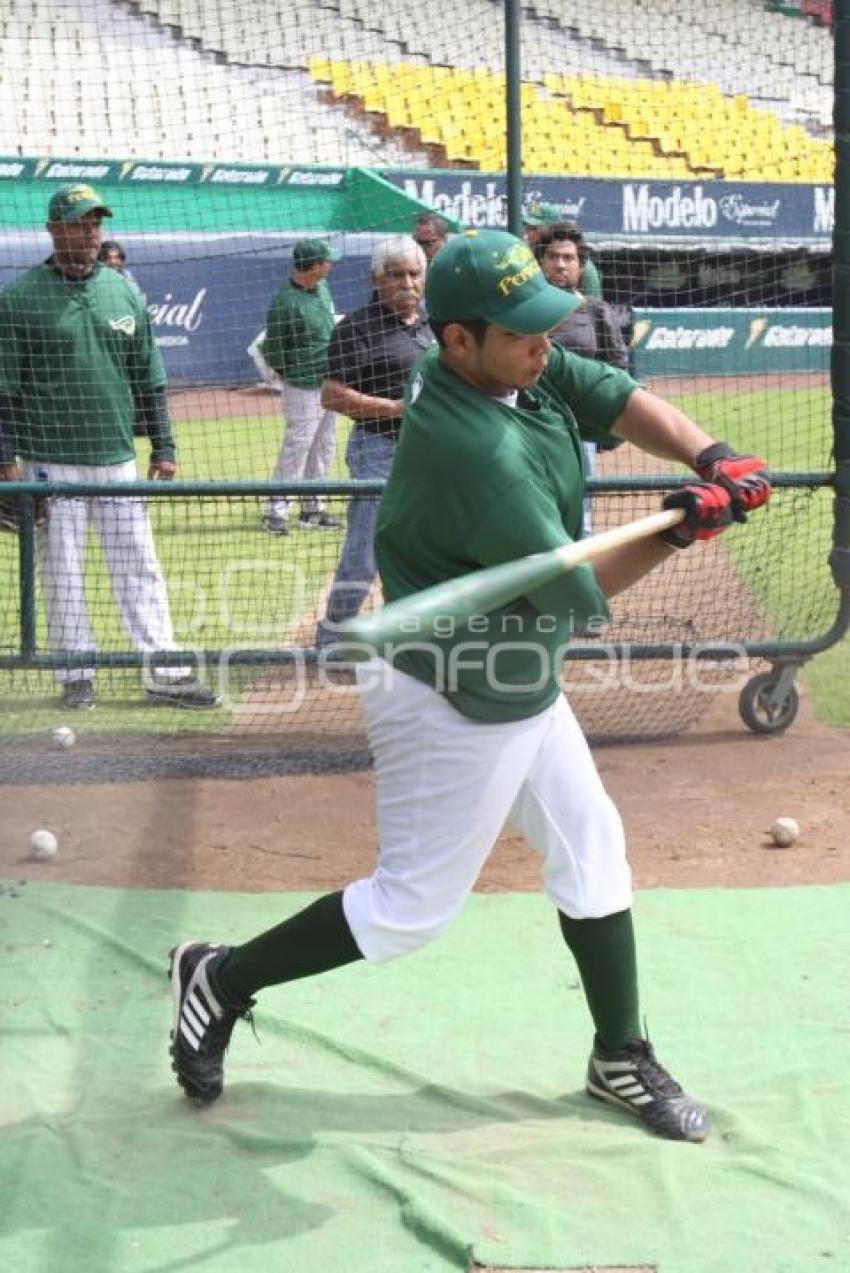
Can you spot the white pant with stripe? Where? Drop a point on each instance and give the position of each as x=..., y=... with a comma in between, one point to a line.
x=446, y=786
x=307, y=449
x=125, y=535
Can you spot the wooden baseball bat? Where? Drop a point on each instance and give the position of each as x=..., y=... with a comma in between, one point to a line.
x=417, y=616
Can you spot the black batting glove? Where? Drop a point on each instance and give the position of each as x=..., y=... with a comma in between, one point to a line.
x=743, y=476
x=708, y=511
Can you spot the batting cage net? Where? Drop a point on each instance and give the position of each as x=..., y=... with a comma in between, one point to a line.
x=264, y=187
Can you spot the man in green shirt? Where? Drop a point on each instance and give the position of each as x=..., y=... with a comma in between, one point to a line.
x=78, y=366
x=299, y=327
x=472, y=729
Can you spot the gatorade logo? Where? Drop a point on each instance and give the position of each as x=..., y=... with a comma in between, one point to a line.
x=240, y=176
x=691, y=338
x=311, y=177
x=156, y=172
x=791, y=336
x=757, y=328
x=641, y=329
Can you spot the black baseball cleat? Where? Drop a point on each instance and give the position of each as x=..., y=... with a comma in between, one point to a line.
x=274, y=525
x=184, y=692
x=203, y=1020
x=318, y=519
x=78, y=696
x=634, y=1079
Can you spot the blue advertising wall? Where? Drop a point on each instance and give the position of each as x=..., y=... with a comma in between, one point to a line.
x=681, y=210
x=208, y=296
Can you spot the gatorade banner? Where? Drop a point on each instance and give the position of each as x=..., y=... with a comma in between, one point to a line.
x=730, y=342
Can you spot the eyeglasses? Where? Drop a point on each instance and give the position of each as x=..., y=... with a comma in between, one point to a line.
x=427, y=243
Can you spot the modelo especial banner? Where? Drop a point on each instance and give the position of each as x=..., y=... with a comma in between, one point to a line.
x=687, y=210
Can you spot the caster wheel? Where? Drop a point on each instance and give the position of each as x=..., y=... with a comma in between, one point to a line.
x=760, y=712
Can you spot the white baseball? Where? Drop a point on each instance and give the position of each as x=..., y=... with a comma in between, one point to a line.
x=784, y=832
x=43, y=846
x=64, y=736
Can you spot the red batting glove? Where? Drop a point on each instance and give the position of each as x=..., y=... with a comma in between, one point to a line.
x=743, y=476
x=708, y=511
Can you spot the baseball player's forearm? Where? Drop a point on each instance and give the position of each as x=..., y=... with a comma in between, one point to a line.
x=622, y=567
x=152, y=410
x=359, y=406
x=661, y=429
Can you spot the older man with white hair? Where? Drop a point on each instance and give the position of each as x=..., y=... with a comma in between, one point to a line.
x=369, y=358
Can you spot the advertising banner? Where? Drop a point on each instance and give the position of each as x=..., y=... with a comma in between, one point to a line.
x=730, y=342
x=685, y=210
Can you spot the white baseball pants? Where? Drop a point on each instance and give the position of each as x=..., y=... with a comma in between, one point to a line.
x=138, y=586
x=307, y=449
x=446, y=786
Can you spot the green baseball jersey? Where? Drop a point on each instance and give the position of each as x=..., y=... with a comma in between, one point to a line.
x=299, y=326
x=74, y=358
x=478, y=481
x=591, y=283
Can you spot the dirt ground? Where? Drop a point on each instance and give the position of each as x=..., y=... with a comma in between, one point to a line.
x=696, y=809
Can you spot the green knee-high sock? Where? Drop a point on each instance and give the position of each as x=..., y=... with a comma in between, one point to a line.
x=604, y=950
x=315, y=940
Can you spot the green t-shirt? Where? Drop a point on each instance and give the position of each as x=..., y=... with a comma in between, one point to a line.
x=74, y=359
x=299, y=326
x=591, y=283
x=477, y=482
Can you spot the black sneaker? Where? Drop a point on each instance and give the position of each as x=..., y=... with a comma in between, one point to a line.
x=203, y=1020
x=184, y=692
x=633, y=1079
x=78, y=696
x=319, y=519
x=275, y=525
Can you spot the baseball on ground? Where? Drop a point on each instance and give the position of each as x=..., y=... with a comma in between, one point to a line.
x=43, y=846
x=63, y=736
x=784, y=831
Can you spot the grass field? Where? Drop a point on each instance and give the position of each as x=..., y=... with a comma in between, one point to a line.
x=244, y=588
x=791, y=429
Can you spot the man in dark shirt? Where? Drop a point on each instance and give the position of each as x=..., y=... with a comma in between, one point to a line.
x=369, y=358
x=593, y=328
x=431, y=232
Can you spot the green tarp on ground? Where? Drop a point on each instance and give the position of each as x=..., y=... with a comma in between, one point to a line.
x=409, y=1118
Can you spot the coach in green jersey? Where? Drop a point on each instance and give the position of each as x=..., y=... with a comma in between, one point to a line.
x=78, y=365
x=299, y=327
x=468, y=735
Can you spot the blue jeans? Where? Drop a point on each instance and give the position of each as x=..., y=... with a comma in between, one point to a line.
x=368, y=456
x=590, y=456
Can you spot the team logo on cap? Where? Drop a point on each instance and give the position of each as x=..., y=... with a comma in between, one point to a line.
x=79, y=193
x=519, y=258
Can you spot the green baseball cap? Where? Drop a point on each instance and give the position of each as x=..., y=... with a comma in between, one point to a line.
x=69, y=203
x=309, y=252
x=493, y=275
x=540, y=214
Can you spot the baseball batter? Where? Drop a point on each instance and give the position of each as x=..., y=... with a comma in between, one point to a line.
x=471, y=730
x=78, y=365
